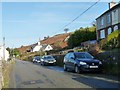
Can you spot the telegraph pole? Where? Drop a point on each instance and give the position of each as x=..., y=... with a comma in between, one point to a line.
x=3, y=48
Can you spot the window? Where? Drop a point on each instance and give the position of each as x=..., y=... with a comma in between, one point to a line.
x=115, y=27
x=115, y=17
x=102, y=34
x=102, y=21
x=67, y=56
x=80, y=55
x=109, y=31
x=72, y=55
x=83, y=55
x=109, y=18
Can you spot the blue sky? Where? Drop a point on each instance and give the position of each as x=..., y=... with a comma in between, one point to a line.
x=23, y=23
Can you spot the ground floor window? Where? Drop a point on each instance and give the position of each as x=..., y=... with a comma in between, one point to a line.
x=109, y=31
x=115, y=27
x=102, y=34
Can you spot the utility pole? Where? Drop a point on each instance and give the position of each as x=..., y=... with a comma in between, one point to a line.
x=3, y=48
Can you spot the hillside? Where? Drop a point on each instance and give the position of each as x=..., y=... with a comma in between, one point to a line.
x=57, y=41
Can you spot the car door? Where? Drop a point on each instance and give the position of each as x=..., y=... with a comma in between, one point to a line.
x=66, y=60
x=71, y=61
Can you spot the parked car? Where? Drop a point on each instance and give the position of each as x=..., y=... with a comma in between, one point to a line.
x=36, y=59
x=48, y=60
x=81, y=61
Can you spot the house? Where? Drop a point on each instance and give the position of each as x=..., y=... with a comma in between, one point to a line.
x=46, y=47
x=109, y=21
x=43, y=47
x=24, y=49
x=88, y=43
x=4, y=54
x=36, y=47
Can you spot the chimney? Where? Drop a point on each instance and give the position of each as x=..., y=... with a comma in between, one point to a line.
x=112, y=4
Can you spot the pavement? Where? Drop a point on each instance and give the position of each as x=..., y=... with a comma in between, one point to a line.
x=0, y=74
x=32, y=75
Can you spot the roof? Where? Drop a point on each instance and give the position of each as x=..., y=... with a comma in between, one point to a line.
x=118, y=5
x=44, y=46
x=23, y=49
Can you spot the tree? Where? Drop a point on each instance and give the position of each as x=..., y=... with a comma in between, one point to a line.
x=82, y=35
x=66, y=30
x=15, y=52
x=8, y=49
x=93, y=23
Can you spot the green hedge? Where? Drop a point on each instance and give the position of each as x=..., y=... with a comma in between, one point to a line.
x=111, y=61
x=112, y=41
x=59, y=59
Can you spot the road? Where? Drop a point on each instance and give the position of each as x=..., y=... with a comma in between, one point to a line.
x=30, y=75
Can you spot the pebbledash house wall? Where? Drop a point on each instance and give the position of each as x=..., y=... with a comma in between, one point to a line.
x=108, y=21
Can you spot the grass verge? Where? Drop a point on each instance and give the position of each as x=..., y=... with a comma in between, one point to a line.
x=6, y=70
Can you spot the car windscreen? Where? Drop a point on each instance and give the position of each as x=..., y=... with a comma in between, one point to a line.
x=48, y=57
x=83, y=55
x=38, y=58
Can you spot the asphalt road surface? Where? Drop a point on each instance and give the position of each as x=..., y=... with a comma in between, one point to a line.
x=31, y=75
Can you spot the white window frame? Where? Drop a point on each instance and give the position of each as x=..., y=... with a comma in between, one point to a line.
x=109, y=31
x=102, y=34
x=115, y=27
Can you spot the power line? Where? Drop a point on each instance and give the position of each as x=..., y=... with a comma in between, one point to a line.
x=79, y=15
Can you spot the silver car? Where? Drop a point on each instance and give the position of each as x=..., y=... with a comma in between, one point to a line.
x=48, y=60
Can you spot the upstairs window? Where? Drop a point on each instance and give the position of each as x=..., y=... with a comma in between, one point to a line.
x=109, y=18
x=102, y=21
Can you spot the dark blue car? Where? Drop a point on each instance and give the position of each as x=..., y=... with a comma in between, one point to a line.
x=81, y=61
x=36, y=59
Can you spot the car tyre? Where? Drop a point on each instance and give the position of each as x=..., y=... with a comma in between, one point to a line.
x=77, y=69
x=65, y=68
x=43, y=64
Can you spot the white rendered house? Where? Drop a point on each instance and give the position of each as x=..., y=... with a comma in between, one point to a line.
x=4, y=54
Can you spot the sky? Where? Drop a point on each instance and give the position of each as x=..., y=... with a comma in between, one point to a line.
x=24, y=23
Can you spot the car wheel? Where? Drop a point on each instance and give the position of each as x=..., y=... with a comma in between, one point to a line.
x=43, y=64
x=77, y=69
x=65, y=68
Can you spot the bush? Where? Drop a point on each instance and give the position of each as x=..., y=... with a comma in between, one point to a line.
x=112, y=41
x=59, y=60
x=110, y=60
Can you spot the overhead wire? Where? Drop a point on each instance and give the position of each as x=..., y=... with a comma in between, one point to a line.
x=79, y=15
